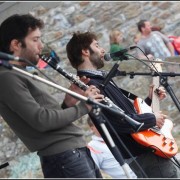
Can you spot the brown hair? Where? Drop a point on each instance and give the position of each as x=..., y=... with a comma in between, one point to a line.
x=141, y=24
x=17, y=27
x=77, y=43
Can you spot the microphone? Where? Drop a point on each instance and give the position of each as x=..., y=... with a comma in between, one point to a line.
x=9, y=57
x=121, y=53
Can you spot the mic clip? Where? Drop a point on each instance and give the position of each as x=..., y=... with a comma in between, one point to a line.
x=123, y=57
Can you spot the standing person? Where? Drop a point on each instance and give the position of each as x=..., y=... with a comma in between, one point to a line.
x=34, y=115
x=87, y=57
x=116, y=38
x=153, y=43
x=103, y=156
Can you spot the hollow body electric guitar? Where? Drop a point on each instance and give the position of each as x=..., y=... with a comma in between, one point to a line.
x=160, y=140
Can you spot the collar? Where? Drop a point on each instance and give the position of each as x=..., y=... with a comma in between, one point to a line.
x=97, y=138
x=94, y=72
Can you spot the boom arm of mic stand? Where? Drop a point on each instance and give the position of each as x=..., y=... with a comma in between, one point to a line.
x=136, y=125
x=132, y=74
x=163, y=81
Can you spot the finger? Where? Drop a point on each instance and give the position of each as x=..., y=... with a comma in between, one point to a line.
x=85, y=79
x=151, y=86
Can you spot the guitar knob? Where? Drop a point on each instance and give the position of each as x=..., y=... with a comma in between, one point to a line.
x=172, y=142
x=164, y=138
x=171, y=148
x=165, y=142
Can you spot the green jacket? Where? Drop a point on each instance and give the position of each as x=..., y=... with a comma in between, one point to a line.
x=36, y=117
x=115, y=48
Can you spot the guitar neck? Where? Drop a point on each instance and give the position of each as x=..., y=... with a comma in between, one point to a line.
x=155, y=101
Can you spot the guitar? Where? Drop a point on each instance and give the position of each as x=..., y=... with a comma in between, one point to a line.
x=161, y=140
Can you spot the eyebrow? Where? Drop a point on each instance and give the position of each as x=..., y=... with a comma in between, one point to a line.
x=96, y=43
x=36, y=37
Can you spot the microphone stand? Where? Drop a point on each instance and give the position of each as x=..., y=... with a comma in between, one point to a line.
x=4, y=165
x=113, y=71
x=96, y=109
x=114, y=151
x=163, y=81
x=100, y=121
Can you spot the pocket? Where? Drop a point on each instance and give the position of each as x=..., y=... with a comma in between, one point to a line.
x=77, y=165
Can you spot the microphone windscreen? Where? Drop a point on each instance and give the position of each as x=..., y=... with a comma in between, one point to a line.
x=107, y=57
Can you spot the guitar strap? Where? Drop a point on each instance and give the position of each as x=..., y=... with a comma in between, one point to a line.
x=126, y=93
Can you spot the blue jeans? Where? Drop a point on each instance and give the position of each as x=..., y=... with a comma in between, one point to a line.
x=75, y=163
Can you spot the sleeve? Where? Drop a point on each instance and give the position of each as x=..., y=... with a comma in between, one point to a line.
x=21, y=102
x=164, y=38
x=148, y=119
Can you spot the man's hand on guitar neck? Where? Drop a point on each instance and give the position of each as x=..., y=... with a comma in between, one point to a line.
x=161, y=92
x=160, y=119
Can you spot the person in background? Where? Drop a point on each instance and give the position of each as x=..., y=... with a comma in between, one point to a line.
x=36, y=117
x=103, y=156
x=116, y=38
x=153, y=43
x=171, y=38
x=87, y=57
x=136, y=38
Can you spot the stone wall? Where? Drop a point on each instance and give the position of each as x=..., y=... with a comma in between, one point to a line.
x=61, y=20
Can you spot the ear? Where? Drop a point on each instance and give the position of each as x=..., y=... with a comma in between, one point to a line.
x=15, y=45
x=85, y=52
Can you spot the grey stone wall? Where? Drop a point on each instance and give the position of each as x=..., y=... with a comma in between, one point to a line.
x=61, y=20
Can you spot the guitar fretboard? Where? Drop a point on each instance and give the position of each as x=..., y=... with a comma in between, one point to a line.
x=155, y=100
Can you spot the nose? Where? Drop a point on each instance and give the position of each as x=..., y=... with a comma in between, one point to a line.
x=102, y=50
x=41, y=45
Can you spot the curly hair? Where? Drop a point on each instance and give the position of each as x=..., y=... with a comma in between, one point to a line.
x=77, y=43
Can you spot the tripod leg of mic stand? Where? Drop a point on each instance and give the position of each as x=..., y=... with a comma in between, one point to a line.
x=4, y=165
x=125, y=167
x=113, y=147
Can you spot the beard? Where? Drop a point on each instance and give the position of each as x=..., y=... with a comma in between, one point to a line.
x=96, y=60
x=30, y=56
